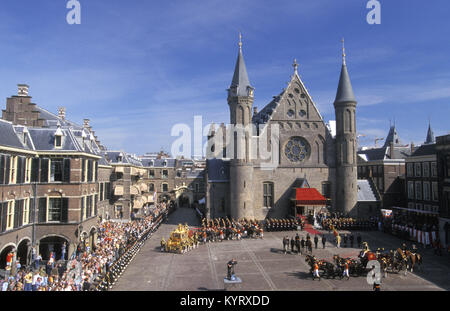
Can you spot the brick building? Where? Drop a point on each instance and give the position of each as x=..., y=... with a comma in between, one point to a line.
x=49, y=173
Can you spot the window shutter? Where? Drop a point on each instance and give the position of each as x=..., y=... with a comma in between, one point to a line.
x=31, y=211
x=2, y=169
x=95, y=205
x=66, y=171
x=16, y=213
x=4, y=207
x=82, y=208
x=19, y=206
x=96, y=170
x=19, y=171
x=83, y=169
x=44, y=170
x=65, y=210
x=42, y=210
x=34, y=169
x=7, y=163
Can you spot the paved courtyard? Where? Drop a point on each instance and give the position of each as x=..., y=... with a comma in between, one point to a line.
x=262, y=265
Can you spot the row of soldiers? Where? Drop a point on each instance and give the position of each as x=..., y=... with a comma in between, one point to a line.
x=228, y=229
x=348, y=223
x=281, y=224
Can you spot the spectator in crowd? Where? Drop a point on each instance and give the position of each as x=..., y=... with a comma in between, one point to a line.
x=87, y=269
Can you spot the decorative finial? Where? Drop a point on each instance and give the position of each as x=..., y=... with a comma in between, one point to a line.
x=240, y=41
x=295, y=65
x=343, y=51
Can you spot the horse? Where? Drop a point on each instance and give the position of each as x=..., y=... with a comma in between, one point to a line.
x=403, y=260
x=413, y=259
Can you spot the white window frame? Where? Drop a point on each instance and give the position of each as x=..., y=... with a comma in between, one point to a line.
x=418, y=188
x=10, y=214
x=26, y=211
x=411, y=189
x=433, y=169
x=426, y=194
x=434, y=191
x=48, y=209
x=410, y=170
x=162, y=187
x=417, y=169
x=426, y=172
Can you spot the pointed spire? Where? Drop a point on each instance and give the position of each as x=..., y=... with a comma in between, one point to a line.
x=430, y=135
x=240, y=81
x=392, y=137
x=295, y=65
x=345, y=90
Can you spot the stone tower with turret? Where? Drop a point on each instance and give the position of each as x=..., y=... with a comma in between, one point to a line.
x=346, y=165
x=240, y=101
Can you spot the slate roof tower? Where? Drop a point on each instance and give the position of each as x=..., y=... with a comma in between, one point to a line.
x=240, y=101
x=346, y=165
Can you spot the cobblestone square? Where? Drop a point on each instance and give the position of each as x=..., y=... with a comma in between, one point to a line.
x=263, y=266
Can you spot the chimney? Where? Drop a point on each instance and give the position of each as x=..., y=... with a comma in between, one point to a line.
x=22, y=89
x=391, y=149
x=86, y=123
x=62, y=113
x=255, y=110
x=413, y=148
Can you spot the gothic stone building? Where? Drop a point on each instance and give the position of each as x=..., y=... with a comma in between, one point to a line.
x=307, y=155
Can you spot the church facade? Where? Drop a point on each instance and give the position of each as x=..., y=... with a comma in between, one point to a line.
x=303, y=152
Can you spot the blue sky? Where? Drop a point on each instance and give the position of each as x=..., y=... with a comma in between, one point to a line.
x=136, y=68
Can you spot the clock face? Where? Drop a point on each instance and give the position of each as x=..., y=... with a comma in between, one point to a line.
x=296, y=149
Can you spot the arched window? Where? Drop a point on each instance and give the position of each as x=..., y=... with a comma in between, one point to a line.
x=318, y=152
x=241, y=114
x=348, y=120
x=268, y=191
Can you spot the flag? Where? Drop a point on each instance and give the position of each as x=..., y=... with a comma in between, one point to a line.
x=154, y=196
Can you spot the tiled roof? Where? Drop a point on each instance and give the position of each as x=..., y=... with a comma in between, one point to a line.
x=218, y=170
x=365, y=191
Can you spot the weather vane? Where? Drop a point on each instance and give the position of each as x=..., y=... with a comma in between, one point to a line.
x=295, y=65
x=343, y=51
x=240, y=40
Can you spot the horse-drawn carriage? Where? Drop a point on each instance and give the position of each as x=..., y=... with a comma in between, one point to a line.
x=181, y=240
x=390, y=262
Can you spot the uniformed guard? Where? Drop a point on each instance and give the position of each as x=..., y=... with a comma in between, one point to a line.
x=163, y=244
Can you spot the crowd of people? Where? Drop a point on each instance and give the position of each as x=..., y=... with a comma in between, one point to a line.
x=416, y=228
x=87, y=267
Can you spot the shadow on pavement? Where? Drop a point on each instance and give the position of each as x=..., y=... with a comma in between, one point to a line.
x=184, y=215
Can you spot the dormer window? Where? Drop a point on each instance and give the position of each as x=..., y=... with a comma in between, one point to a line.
x=58, y=137
x=58, y=141
x=25, y=133
x=165, y=163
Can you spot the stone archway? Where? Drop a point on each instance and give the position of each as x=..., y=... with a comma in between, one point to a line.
x=52, y=243
x=4, y=252
x=23, y=251
x=184, y=196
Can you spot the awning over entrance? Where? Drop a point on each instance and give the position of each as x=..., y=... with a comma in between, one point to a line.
x=309, y=196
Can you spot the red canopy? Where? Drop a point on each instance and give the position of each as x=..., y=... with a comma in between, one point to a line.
x=309, y=196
